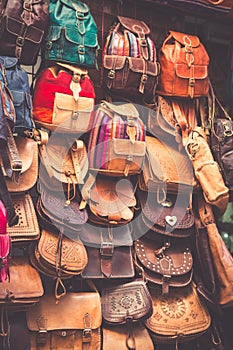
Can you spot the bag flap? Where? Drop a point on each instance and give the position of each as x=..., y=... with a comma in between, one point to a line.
x=73, y=253
x=126, y=147
x=133, y=25
x=69, y=312
x=125, y=109
x=8, y=62
x=167, y=164
x=67, y=102
x=164, y=256
x=95, y=236
x=33, y=34
x=197, y=71
x=183, y=304
x=114, y=62
x=139, y=65
x=25, y=281
x=126, y=300
x=185, y=39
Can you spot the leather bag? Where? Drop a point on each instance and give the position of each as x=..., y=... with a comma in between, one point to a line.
x=24, y=288
x=72, y=34
x=63, y=99
x=72, y=323
x=184, y=66
x=119, y=152
x=164, y=260
x=130, y=66
x=109, y=251
x=27, y=228
x=165, y=168
x=22, y=27
x=178, y=317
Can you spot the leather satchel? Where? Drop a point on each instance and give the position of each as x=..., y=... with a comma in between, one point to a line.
x=72, y=323
x=178, y=317
x=109, y=251
x=22, y=27
x=27, y=228
x=184, y=66
x=164, y=260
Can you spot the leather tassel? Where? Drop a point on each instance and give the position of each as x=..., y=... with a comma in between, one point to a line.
x=4, y=244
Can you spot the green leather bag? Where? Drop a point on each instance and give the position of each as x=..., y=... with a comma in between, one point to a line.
x=72, y=34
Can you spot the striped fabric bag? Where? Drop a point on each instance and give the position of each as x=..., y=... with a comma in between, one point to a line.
x=117, y=140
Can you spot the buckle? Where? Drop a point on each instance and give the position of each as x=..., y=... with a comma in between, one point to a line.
x=87, y=334
x=106, y=249
x=111, y=74
x=17, y=167
x=20, y=41
x=227, y=130
x=27, y=6
x=144, y=78
x=49, y=45
x=131, y=121
x=129, y=159
x=81, y=49
x=75, y=115
x=191, y=82
x=79, y=15
x=143, y=42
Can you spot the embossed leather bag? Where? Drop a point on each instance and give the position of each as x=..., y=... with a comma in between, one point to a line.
x=130, y=66
x=184, y=66
x=22, y=27
x=165, y=261
x=109, y=251
x=72, y=323
x=127, y=304
x=178, y=317
x=117, y=140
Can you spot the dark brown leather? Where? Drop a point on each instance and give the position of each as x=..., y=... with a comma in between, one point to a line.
x=23, y=24
x=165, y=261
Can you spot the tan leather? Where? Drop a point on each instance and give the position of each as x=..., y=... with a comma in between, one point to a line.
x=178, y=316
x=73, y=322
x=27, y=228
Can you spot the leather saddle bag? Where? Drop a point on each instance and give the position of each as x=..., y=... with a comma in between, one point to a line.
x=166, y=261
x=72, y=323
x=109, y=251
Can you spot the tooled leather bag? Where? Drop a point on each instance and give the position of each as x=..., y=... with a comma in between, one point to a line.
x=127, y=304
x=130, y=66
x=109, y=251
x=165, y=261
x=72, y=323
x=178, y=317
x=184, y=66
x=22, y=27
x=117, y=140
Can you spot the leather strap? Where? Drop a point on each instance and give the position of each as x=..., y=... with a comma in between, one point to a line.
x=42, y=335
x=77, y=146
x=27, y=14
x=87, y=332
x=106, y=254
x=12, y=217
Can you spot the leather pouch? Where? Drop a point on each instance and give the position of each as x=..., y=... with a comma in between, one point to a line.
x=72, y=323
x=109, y=251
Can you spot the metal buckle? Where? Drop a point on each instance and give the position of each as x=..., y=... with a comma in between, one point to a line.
x=143, y=42
x=49, y=45
x=20, y=41
x=27, y=6
x=191, y=82
x=106, y=249
x=87, y=333
x=81, y=49
x=79, y=15
x=75, y=115
x=144, y=78
x=111, y=74
x=227, y=130
x=131, y=121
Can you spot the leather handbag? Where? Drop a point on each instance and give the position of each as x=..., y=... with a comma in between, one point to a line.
x=126, y=304
x=27, y=229
x=130, y=66
x=72, y=323
x=63, y=99
x=114, y=337
x=109, y=251
x=72, y=34
x=184, y=65
x=117, y=140
x=171, y=217
x=165, y=168
x=110, y=199
x=165, y=261
x=178, y=317
x=24, y=288
x=22, y=27
x=206, y=170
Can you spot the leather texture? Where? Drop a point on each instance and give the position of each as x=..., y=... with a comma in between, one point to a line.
x=130, y=64
x=72, y=34
x=23, y=24
x=77, y=327
x=55, y=103
x=120, y=152
x=184, y=66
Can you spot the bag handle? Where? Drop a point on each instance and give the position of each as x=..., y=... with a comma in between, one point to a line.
x=215, y=2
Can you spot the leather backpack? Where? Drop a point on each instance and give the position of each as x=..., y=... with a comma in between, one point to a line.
x=71, y=36
x=184, y=66
x=22, y=27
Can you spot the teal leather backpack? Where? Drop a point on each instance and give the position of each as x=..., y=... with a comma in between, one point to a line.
x=71, y=36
